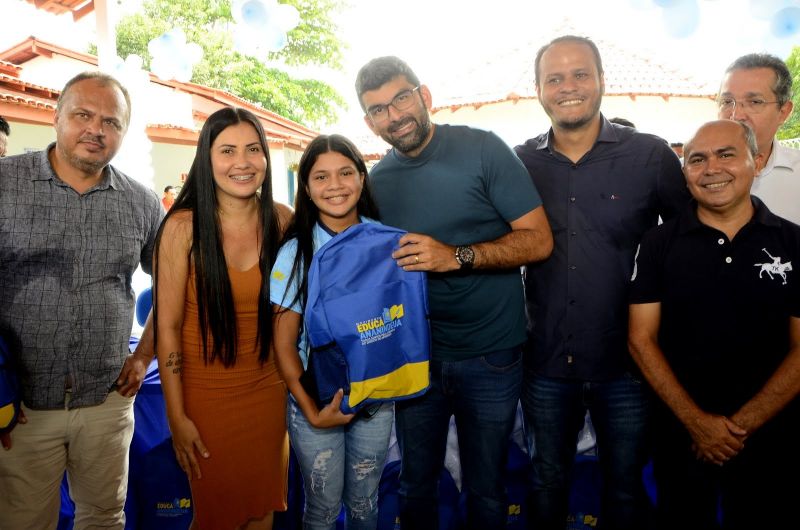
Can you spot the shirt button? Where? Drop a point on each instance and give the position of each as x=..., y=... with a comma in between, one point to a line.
x=721, y=241
x=573, y=233
x=728, y=259
x=572, y=199
x=572, y=267
x=572, y=302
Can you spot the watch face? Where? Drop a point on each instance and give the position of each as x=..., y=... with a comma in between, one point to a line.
x=465, y=256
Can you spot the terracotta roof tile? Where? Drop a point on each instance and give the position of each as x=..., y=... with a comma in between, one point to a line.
x=277, y=127
x=29, y=102
x=78, y=8
x=509, y=75
x=24, y=85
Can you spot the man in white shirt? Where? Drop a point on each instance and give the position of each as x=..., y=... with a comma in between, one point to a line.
x=757, y=90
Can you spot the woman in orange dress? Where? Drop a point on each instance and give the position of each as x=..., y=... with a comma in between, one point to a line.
x=224, y=397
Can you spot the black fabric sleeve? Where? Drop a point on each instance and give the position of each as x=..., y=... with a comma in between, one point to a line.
x=647, y=278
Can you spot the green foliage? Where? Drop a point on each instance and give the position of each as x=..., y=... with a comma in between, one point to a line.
x=791, y=127
x=314, y=40
x=209, y=23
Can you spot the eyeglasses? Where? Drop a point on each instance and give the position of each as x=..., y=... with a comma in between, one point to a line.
x=402, y=101
x=752, y=105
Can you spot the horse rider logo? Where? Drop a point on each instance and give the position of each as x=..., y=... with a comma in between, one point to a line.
x=776, y=267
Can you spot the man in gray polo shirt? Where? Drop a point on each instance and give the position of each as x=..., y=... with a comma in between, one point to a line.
x=72, y=231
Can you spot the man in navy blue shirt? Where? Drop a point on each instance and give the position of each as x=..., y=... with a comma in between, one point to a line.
x=603, y=186
x=715, y=328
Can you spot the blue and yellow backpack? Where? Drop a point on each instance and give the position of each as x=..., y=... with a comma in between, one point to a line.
x=367, y=320
x=9, y=390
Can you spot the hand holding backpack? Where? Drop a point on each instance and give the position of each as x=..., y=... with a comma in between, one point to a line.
x=367, y=320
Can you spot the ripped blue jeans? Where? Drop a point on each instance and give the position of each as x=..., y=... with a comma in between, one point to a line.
x=341, y=464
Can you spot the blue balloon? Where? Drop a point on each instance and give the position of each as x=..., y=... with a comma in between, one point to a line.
x=275, y=41
x=182, y=70
x=682, y=19
x=766, y=9
x=254, y=13
x=785, y=22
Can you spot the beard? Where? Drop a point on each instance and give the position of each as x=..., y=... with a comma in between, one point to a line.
x=86, y=165
x=412, y=140
x=576, y=122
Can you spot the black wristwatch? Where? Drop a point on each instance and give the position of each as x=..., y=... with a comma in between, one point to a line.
x=465, y=256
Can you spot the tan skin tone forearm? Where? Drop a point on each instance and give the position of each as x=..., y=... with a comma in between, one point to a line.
x=778, y=391
x=172, y=266
x=716, y=438
x=146, y=346
x=530, y=240
x=286, y=327
x=516, y=248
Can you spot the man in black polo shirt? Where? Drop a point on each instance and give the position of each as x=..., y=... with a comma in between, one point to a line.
x=602, y=185
x=715, y=328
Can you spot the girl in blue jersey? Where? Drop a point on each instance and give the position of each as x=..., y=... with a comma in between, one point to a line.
x=341, y=456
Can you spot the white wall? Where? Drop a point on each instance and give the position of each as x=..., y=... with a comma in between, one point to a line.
x=169, y=162
x=674, y=119
x=26, y=137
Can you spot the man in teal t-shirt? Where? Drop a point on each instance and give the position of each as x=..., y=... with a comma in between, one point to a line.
x=474, y=217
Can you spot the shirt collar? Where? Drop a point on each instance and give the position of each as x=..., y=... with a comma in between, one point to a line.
x=688, y=220
x=607, y=134
x=780, y=157
x=111, y=178
x=323, y=234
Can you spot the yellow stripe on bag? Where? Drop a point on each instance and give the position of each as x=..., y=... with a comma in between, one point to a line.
x=405, y=381
x=6, y=415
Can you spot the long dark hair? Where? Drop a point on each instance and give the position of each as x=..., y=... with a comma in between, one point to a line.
x=206, y=257
x=306, y=213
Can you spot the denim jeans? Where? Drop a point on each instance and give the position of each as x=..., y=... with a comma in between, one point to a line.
x=554, y=412
x=341, y=464
x=482, y=393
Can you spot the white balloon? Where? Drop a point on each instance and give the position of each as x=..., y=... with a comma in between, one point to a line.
x=177, y=37
x=287, y=17
x=133, y=62
x=172, y=57
x=766, y=9
x=274, y=39
x=248, y=42
x=193, y=52
x=161, y=67
x=236, y=10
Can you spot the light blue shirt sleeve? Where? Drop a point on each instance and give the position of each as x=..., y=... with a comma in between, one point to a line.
x=281, y=291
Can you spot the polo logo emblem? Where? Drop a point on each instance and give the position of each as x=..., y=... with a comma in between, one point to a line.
x=776, y=267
